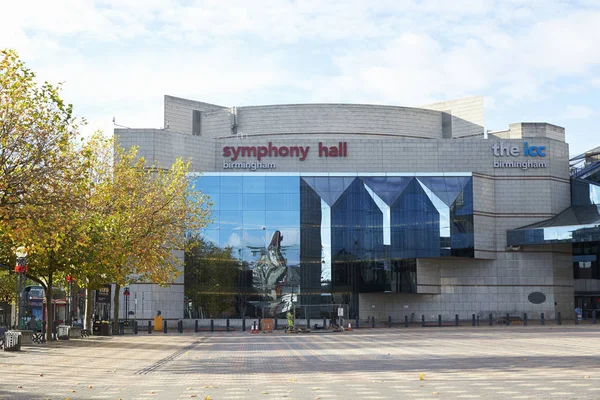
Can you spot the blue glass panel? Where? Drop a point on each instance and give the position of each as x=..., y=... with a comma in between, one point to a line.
x=357, y=225
x=254, y=201
x=283, y=201
x=415, y=225
x=211, y=235
x=231, y=219
x=231, y=201
x=254, y=219
x=230, y=238
x=215, y=218
x=208, y=184
x=231, y=184
x=254, y=184
x=329, y=189
x=282, y=184
x=214, y=199
x=289, y=245
x=388, y=188
x=282, y=219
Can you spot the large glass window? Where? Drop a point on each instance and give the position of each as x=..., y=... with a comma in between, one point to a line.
x=300, y=242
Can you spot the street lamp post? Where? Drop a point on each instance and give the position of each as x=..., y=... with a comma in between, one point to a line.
x=21, y=270
x=70, y=301
x=126, y=295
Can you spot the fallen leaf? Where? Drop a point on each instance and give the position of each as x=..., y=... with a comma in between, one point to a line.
x=189, y=388
x=73, y=391
x=422, y=377
x=41, y=374
x=264, y=392
x=194, y=395
x=586, y=377
x=207, y=398
x=436, y=392
x=19, y=387
x=91, y=387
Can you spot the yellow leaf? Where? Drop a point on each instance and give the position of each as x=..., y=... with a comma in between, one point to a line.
x=422, y=377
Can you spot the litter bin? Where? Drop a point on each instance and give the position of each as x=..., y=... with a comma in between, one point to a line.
x=12, y=341
x=158, y=323
x=64, y=331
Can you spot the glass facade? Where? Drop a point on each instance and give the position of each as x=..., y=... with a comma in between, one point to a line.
x=302, y=242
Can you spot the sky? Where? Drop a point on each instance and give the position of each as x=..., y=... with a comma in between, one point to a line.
x=533, y=61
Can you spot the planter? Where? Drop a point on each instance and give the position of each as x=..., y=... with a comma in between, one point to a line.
x=102, y=329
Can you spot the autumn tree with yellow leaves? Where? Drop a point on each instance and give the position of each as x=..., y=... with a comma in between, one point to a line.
x=88, y=209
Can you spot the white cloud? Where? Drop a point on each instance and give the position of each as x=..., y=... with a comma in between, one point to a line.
x=577, y=112
x=118, y=58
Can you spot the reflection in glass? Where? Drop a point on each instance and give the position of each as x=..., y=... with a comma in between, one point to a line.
x=302, y=243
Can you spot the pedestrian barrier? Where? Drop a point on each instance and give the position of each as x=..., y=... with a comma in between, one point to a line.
x=12, y=341
x=63, y=332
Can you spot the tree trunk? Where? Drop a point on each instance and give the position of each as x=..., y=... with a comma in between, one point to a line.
x=89, y=308
x=49, y=309
x=116, y=309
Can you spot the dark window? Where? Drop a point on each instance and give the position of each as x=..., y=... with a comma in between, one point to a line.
x=196, y=123
x=447, y=124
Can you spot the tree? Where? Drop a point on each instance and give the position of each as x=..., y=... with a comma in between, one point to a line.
x=140, y=216
x=36, y=133
x=40, y=172
x=88, y=209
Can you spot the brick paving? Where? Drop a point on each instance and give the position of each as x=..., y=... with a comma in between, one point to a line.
x=457, y=363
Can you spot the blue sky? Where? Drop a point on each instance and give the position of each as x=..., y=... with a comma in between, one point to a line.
x=532, y=61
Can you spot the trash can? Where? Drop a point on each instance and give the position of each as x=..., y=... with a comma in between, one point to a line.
x=64, y=332
x=12, y=341
x=158, y=323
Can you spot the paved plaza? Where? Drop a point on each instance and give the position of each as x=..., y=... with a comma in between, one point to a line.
x=454, y=363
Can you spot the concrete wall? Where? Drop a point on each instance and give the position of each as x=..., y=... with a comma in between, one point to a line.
x=467, y=115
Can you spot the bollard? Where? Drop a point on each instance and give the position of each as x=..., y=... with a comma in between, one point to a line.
x=389, y=321
x=473, y=320
x=524, y=319
x=507, y=319
x=422, y=321
x=135, y=327
x=244, y=324
x=212, y=325
x=542, y=320
x=324, y=323
x=594, y=317
x=149, y=327
x=180, y=326
x=308, y=323
x=372, y=322
x=276, y=324
x=165, y=326
x=227, y=326
x=196, y=326
x=406, y=321
x=455, y=319
x=260, y=324
x=478, y=320
x=355, y=324
x=576, y=319
x=491, y=320
x=558, y=321
x=439, y=320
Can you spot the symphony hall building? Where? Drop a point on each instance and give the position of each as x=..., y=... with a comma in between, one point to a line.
x=380, y=210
